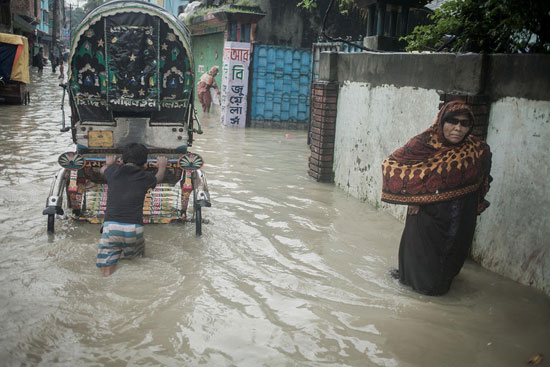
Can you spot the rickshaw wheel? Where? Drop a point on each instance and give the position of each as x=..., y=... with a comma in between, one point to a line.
x=198, y=215
x=51, y=221
x=198, y=221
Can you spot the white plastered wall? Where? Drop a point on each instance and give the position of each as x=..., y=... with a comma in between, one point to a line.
x=373, y=122
x=513, y=235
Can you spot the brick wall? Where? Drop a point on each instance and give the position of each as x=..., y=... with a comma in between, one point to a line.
x=323, y=126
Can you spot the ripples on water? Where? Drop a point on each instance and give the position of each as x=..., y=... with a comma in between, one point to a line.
x=288, y=272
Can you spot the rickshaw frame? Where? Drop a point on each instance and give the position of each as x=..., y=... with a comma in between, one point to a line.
x=78, y=179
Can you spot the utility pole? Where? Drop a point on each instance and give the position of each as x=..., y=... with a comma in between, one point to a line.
x=55, y=24
x=70, y=24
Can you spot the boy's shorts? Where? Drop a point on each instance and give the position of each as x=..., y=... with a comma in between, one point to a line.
x=119, y=240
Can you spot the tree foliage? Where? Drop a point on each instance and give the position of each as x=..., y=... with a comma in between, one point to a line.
x=343, y=5
x=486, y=26
x=76, y=15
x=92, y=4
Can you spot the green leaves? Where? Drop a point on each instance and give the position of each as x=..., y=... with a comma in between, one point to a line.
x=343, y=5
x=486, y=26
x=308, y=4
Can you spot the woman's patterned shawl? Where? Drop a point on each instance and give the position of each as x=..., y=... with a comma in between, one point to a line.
x=430, y=169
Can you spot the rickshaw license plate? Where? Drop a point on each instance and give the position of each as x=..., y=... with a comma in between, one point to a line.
x=100, y=139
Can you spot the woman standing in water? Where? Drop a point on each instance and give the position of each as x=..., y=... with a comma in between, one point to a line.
x=207, y=82
x=443, y=176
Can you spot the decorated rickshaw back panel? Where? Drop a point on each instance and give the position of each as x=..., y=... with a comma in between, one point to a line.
x=129, y=63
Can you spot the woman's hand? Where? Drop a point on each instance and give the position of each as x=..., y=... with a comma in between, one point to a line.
x=413, y=209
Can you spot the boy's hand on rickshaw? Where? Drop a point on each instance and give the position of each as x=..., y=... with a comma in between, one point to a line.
x=110, y=159
x=162, y=162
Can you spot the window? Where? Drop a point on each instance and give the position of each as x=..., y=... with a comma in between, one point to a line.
x=5, y=14
x=245, y=32
x=232, y=32
x=239, y=32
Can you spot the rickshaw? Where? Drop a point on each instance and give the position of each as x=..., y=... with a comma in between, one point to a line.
x=14, y=68
x=130, y=80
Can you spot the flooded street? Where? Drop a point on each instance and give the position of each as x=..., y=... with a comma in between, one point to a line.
x=288, y=271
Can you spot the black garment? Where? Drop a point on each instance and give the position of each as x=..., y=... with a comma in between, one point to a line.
x=127, y=186
x=40, y=61
x=435, y=244
x=53, y=61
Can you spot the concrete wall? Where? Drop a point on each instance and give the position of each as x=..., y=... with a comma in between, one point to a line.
x=372, y=122
x=283, y=24
x=513, y=235
x=286, y=24
x=385, y=99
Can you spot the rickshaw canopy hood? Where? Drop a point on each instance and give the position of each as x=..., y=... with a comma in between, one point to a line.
x=131, y=57
x=14, y=57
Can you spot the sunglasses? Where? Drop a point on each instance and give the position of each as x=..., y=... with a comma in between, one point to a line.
x=464, y=123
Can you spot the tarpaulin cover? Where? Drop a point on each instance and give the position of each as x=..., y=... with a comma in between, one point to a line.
x=128, y=63
x=14, y=58
x=7, y=55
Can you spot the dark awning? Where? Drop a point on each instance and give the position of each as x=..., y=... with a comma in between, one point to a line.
x=44, y=37
x=20, y=23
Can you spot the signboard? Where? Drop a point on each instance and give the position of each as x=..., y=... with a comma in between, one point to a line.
x=100, y=139
x=236, y=60
x=65, y=35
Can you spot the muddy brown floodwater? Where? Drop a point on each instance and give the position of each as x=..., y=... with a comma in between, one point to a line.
x=288, y=272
